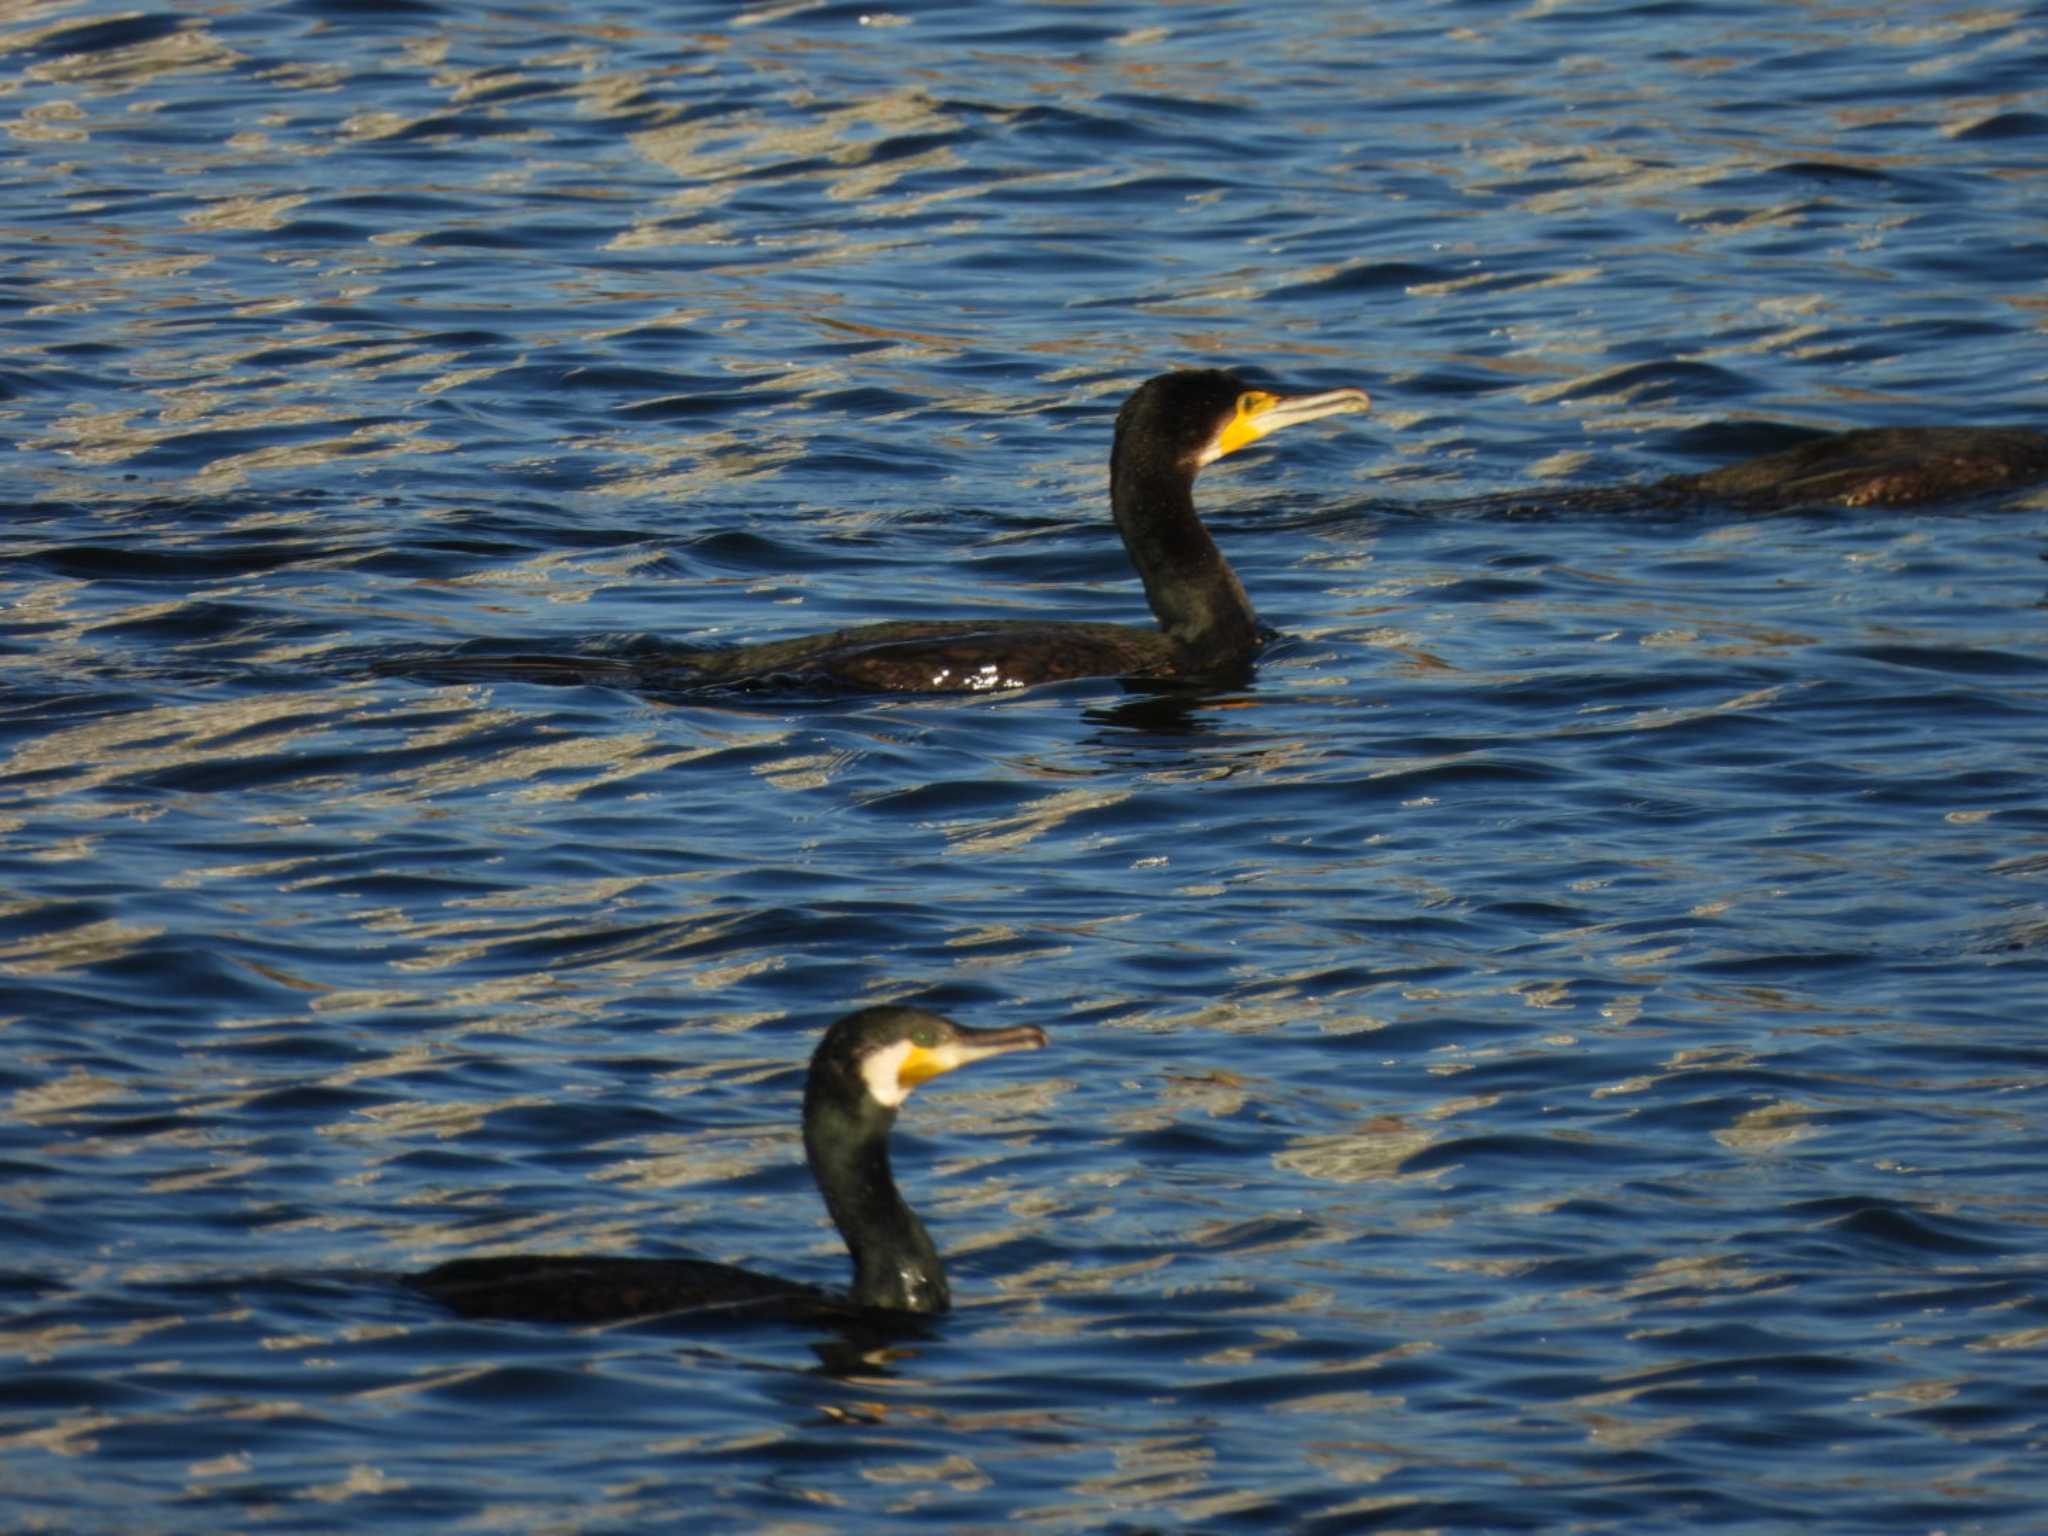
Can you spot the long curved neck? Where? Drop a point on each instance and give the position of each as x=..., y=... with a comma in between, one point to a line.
x=1194, y=593
x=895, y=1265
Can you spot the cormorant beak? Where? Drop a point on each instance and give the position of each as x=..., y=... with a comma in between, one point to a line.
x=1259, y=413
x=921, y=1064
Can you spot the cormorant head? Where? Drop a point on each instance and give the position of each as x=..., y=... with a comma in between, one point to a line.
x=864, y=1068
x=889, y=1051
x=1195, y=416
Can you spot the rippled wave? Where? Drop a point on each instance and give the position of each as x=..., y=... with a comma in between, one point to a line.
x=1558, y=1049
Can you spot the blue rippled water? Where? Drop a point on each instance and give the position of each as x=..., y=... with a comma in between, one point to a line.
x=1560, y=1050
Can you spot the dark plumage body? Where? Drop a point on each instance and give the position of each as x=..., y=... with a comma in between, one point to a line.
x=1878, y=467
x=1168, y=429
x=863, y=1068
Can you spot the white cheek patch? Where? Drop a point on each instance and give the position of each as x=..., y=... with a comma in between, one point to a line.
x=880, y=1071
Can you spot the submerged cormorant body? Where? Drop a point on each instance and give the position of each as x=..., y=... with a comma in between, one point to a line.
x=1876, y=467
x=863, y=1069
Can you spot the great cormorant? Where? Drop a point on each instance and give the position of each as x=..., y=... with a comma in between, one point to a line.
x=1168, y=429
x=862, y=1070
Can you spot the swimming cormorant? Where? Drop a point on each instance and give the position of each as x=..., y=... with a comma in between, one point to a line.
x=1168, y=429
x=862, y=1070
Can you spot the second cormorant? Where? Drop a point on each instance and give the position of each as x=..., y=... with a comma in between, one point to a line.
x=862, y=1070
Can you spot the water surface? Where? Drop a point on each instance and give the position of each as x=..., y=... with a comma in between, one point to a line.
x=1559, y=1050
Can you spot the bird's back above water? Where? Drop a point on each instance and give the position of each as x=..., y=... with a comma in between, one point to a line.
x=863, y=1069
x=1205, y=628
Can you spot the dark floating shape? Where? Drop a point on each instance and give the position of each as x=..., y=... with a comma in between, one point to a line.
x=1878, y=467
x=1166, y=432
x=1875, y=467
x=863, y=1069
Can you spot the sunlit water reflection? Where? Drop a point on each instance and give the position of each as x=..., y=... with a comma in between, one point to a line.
x=1560, y=1050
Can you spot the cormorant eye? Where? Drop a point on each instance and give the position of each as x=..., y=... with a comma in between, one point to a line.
x=924, y=1037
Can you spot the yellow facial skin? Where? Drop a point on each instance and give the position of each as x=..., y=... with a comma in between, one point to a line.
x=891, y=1072
x=922, y=1065
x=1259, y=412
x=1245, y=426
